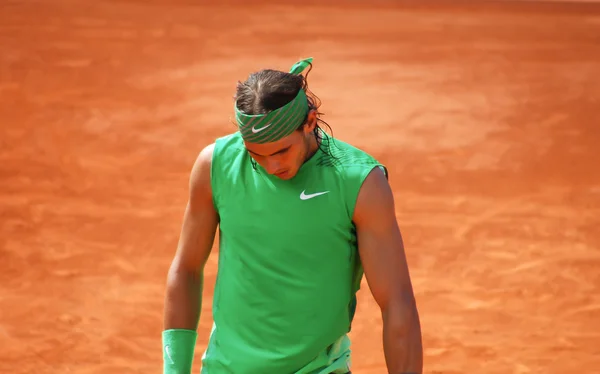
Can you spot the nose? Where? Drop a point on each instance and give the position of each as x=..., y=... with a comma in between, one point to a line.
x=272, y=165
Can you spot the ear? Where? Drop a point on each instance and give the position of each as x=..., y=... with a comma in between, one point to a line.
x=311, y=122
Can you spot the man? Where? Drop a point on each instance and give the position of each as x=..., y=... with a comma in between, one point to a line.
x=301, y=216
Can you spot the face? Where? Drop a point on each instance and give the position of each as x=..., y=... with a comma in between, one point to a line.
x=283, y=158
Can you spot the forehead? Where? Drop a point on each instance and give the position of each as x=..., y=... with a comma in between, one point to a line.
x=273, y=148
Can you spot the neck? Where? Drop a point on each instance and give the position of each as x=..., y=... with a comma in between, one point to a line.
x=313, y=145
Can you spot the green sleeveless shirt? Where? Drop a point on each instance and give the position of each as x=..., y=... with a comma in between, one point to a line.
x=288, y=267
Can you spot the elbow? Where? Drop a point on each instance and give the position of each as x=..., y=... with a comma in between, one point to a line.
x=400, y=315
x=178, y=274
x=183, y=299
x=181, y=278
x=182, y=267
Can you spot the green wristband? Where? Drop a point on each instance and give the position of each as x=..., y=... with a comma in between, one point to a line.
x=178, y=350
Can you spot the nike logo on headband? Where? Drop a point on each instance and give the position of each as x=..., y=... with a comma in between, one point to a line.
x=254, y=130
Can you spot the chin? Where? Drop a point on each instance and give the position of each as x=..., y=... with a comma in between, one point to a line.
x=286, y=175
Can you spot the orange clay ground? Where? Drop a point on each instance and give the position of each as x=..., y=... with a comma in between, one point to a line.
x=487, y=116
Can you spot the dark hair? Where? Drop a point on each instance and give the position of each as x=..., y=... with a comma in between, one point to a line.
x=267, y=90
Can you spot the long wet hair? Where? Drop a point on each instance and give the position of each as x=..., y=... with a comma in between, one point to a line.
x=268, y=90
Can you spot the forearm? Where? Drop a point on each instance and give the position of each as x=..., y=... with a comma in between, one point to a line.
x=402, y=341
x=183, y=302
x=183, y=299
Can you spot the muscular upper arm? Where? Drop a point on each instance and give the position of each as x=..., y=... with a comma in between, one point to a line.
x=380, y=242
x=200, y=219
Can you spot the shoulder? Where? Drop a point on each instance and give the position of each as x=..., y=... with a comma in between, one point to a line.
x=375, y=197
x=228, y=143
x=211, y=155
x=375, y=185
x=348, y=158
x=353, y=166
x=200, y=177
x=226, y=148
x=352, y=162
x=217, y=165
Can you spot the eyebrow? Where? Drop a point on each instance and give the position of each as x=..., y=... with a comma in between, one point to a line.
x=272, y=154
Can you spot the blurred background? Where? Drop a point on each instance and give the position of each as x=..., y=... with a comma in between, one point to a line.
x=486, y=114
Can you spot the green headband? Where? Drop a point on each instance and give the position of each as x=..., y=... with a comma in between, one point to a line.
x=279, y=123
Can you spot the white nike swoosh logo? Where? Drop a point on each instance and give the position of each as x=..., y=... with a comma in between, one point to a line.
x=304, y=196
x=260, y=128
x=167, y=351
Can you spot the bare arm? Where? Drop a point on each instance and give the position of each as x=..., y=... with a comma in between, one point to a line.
x=382, y=254
x=183, y=299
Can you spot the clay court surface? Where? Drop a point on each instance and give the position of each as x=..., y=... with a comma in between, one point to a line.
x=486, y=115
